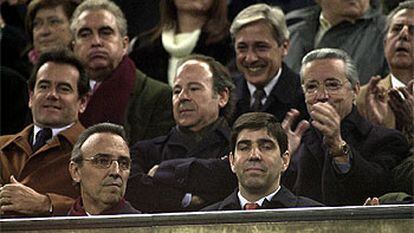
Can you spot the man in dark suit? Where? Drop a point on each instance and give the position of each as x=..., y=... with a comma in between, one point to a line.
x=261, y=41
x=202, y=103
x=342, y=158
x=259, y=157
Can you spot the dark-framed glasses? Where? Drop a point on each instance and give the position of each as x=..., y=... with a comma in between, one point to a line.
x=105, y=161
x=330, y=85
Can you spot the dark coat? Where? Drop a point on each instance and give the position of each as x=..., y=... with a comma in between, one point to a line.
x=152, y=58
x=286, y=94
x=123, y=207
x=282, y=199
x=374, y=152
x=174, y=155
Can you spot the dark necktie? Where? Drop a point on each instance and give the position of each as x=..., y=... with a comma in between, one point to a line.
x=251, y=206
x=41, y=137
x=258, y=95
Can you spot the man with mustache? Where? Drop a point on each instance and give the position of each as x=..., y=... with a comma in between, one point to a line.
x=341, y=158
x=390, y=101
x=202, y=103
x=34, y=175
x=100, y=165
x=259, y=157
x=355, y=26
x=261, y=41
x=121, y=93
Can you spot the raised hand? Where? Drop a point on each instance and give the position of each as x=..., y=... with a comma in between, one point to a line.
x=294, y=137
x=376, y=100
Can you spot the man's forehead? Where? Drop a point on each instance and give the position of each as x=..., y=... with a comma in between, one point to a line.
x=96, y=18
x=253, y=135
x=403, y=16
x=104, y=140
x=324, y=68
x=192, y=65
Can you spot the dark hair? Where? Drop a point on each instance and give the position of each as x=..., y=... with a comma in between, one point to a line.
x=257, y=121
x=401, y=6
x=216, y=27
x=36, y=5
x=61, y=56
x=111, y=128
x=221, y=80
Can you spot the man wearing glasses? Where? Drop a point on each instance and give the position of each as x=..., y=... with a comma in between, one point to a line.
x=341, y=158
x=100, y=165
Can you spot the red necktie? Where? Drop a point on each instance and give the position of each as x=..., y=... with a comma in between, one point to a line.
x=251, y=206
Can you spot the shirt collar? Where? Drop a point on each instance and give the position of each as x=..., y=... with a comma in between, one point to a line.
x=244, y=201
x=55, y=131
x=268, y=88
x=395, y=82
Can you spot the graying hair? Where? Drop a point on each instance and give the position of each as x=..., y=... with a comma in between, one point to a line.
x=94, y=5
x=274, y=16
x=351, y=71
x=111, y=128
x=401, y=6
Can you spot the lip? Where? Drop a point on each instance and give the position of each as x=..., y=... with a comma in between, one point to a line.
x=253, y=169
x=114, y=183
x=53, y=107
x=97, y=54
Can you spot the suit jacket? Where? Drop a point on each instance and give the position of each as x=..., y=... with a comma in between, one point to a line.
x=46, y=170
x=153, y=59
x=175, y=155
x=282, y=199
x=286, y=94
x=374, y=151
x=361, y=104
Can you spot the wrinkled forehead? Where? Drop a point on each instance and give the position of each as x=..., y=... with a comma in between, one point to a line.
x=404, y=16
x=106, y=143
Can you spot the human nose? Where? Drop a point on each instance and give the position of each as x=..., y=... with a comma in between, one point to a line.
x=96, y=40
x=183, y=95
x=251, y=56
x=43, y=29
x=255, y=153
x=52, y=94
x=114, y=167
x=321, y=93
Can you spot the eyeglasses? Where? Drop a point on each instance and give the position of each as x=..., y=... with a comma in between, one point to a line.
x=331, y=86
x=104, y=161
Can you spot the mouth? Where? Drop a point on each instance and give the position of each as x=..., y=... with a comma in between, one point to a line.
x=98, y=55
x=51, y=107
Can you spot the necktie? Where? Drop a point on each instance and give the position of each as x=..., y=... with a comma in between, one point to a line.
x=41, y=137
x=251, y=206
x=258, y=95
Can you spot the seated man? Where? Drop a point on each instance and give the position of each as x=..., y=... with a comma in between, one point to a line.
x=34, y=163
x=342, y=158
x=121, y=93
x=202, y=102
x=100, y=165
x=259, y=157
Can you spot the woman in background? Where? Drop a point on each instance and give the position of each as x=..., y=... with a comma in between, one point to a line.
x=186, y=27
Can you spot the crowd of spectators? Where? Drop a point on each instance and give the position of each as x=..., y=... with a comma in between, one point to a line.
x=128, y=107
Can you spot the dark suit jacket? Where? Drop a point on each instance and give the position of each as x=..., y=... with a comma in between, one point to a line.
x=374, y=152
x=152, y=58
x=282, y=199
x=174, y=156
x=286, y=94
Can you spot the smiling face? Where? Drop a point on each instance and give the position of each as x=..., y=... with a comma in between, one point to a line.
x=258, y=55
x=98, y=43
x=55, y=102
x=101, y=188
x=399, y=41
x=195, y=105
x=51, y=29
x=258, y=162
